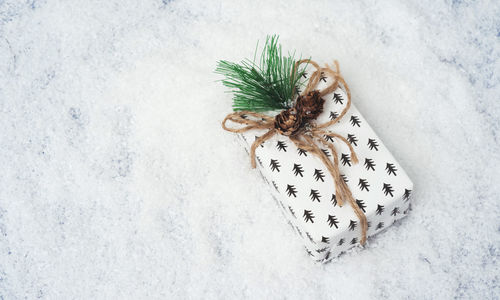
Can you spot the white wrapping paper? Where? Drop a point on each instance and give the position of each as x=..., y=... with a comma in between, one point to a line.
x=305, y=191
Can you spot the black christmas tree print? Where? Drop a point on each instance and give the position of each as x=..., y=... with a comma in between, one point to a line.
x=406, y=210
x=355, y=121
x=333, y=115
x=326, y=152
x=341, y=242
x=380, y=225
x=315, y=195
x=363, y=184
x=323, y=77
x=258, y=160
x=308, y=216
x=291, y=191
x=395, y=211
x=322, y=249
x=261, y=145
x=352, y=225
x=344, y=178
x=332, y=221
x=292, y=211
x=372, y=144
x=345, y=159
x=406, y=195
x=301, y=152
x=380, y=209
x=297, y=90
x=327, y=256
x=275, y=165
x=369, y=164
x=298, y=170
x=391, y=169
x=337, y=98
x=329, y=138
x=352, y=139
x=361, y=205
x=275, y=186
x=325, y=239
x=334, y=200
x=304, y=74
x=354, y=241
x=310, y=237
x=387, y=189
x=281, y=146
x=318, y=175
x=309, y=252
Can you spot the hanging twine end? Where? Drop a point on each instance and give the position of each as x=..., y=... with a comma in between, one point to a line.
x=354, y=158
x=252, y=161
x=340, y=199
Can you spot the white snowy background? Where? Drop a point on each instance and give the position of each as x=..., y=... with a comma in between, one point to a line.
x=117, y=180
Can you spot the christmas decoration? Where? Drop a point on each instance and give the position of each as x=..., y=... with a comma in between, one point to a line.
x=297, y=120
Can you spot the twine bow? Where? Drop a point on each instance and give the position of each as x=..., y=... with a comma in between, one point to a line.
x=309, y=135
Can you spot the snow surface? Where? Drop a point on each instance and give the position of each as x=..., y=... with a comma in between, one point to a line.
x=118, y=182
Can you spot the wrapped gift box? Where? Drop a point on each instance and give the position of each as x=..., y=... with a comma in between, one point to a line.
x=305, y=191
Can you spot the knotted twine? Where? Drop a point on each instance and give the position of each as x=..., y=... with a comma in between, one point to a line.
x=309, y=135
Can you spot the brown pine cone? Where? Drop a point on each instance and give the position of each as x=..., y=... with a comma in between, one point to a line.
x=310, y=105
x=288, y=121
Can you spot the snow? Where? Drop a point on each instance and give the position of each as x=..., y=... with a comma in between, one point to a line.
x=118, y=181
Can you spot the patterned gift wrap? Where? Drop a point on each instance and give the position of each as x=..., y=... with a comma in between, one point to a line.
x=304, y=189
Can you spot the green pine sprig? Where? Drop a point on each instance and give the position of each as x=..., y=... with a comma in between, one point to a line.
x=266, y=85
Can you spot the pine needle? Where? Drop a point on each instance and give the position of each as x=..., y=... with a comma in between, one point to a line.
x=268, y=85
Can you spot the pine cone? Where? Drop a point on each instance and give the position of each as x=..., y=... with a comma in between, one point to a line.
x=310, y=106
x=288, y=121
